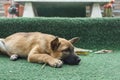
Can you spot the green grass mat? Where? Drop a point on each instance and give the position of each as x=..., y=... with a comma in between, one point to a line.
x=93, y=32
x=92, y=67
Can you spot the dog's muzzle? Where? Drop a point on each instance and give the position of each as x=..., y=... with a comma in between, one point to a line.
x=72, y=59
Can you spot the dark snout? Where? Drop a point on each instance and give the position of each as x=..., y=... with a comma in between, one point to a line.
x=72, y=59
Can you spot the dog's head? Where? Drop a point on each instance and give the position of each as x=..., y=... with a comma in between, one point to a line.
x=64, y=50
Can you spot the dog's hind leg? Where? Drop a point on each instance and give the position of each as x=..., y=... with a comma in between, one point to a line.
x=14, y=57
x=4, y=49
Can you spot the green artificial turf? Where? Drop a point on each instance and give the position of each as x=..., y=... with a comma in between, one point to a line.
x=92, y=67
x=94, y=34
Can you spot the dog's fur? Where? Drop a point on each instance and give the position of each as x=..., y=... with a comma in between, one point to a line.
x=40, y=48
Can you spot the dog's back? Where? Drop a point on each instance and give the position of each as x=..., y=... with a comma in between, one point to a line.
x=21, y=43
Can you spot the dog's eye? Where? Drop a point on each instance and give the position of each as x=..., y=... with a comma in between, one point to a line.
x=66, y=50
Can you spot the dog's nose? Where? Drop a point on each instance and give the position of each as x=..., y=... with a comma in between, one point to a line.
x=77, y=61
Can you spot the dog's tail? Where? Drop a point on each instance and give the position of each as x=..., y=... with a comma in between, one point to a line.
x=3, y=46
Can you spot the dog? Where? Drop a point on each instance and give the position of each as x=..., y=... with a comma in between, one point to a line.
x=39, y=47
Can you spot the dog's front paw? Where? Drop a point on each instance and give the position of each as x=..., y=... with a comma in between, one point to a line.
x=56, y=63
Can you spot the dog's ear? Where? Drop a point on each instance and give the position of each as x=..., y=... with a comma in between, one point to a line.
x=73, y=40
x=55, y=44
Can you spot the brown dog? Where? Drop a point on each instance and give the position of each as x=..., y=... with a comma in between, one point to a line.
x=40, y=48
